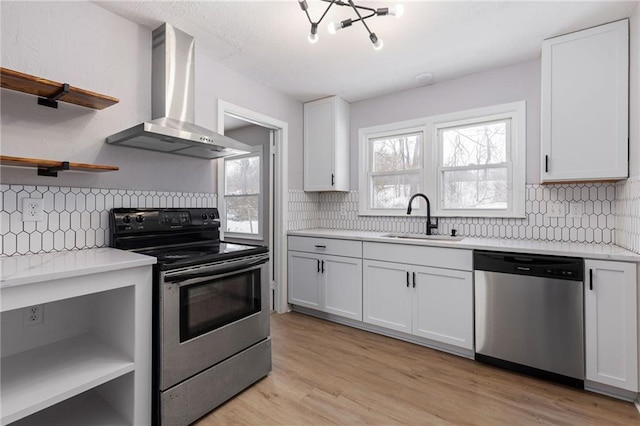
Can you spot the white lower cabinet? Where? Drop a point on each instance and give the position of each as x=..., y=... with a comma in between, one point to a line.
x=326, y=282
x=611, y=323
x=304, y=277
x=434, y=303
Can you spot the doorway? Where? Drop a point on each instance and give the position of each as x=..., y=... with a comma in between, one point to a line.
x=269, y=137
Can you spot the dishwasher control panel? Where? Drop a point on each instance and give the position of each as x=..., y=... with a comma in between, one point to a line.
x=561, y=267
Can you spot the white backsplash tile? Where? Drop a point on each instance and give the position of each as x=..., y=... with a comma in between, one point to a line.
x=596, y=225
x=76, y=218
x=627, y=206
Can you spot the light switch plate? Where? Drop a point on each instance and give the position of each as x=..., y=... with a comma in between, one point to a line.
x=556, y=209
x=576, y=209
x=32, y=210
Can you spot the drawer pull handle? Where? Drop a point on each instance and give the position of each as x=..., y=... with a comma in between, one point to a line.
x=319, y=246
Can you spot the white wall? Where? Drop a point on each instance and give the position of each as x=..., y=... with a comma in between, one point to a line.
x=88, y=47
x=634, y=93
x=509, y=84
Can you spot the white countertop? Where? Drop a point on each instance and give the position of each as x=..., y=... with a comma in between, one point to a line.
x=589, y=251
x=34, y=268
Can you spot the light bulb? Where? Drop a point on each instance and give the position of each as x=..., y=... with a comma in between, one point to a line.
x=333, y=27
x=377, y=43
x=397, y=10
x=313, y=35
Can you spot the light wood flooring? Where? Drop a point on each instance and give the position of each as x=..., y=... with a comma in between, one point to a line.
x=326, y=373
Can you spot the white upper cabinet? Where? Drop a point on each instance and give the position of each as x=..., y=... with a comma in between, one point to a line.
x=326, y=145
x=585, y=107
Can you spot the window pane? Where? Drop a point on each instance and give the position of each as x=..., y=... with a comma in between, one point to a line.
x=400, y=152
x=484, y=143
x=475, y=189
x=392, y=192
x=242, y=214
x=242, y=176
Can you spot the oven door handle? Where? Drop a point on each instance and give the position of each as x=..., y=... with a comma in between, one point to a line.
x=216, y=270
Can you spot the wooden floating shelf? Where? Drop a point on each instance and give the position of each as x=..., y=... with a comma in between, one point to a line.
x=51, y=167
x=51, y=91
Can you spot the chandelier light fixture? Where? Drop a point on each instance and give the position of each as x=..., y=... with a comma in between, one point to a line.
x=362, y=12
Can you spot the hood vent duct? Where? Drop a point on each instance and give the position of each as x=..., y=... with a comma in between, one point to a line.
x=171, y=129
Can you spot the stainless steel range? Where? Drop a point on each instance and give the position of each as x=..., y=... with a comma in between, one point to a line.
x=211, y=309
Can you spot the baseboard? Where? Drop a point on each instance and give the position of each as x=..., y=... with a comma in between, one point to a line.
x=466, y=353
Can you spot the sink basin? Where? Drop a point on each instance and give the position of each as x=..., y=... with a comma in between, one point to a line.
x=424, y=237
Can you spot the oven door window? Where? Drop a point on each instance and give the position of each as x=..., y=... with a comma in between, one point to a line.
x=212, y=304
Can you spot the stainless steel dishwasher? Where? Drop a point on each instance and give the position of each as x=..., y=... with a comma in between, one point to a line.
x=529, y=314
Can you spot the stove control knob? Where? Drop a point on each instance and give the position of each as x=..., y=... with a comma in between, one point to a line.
x=126, y=219
x=204, y=216
x=212, y=216
x=139, y=219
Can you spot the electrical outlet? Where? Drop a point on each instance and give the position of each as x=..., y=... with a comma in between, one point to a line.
x=32, y=210
x=556, y=209
x=576, y=209
x=33, y=315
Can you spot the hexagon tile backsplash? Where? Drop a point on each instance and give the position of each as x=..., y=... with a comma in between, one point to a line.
x=76, y=218
x=596, y=225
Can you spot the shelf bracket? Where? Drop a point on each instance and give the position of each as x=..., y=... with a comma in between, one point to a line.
x=52, y=101
x=53, y=171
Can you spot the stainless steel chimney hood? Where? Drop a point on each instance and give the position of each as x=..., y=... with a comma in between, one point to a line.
x=172, y=105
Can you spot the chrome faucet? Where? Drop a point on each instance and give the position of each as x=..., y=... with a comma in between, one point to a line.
x=430, y=225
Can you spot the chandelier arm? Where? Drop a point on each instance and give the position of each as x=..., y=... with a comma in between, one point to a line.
x=332, y=2
x=360, y=18
x=308, y=17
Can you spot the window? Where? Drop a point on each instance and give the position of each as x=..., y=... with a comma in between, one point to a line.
x=242, y=200
x=469, y=164
x=480, y=165
x=393, y=159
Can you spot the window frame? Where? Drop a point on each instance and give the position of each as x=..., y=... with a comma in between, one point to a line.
x=514, y=112
x=365, y=138
x=515, y=115
x=257, y=151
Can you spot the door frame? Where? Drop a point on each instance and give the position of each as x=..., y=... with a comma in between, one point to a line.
x=280, y=196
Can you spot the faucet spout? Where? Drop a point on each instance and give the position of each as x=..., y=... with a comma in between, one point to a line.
x=430, y=225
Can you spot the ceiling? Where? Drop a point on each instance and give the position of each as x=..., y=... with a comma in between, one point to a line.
x=267, y=40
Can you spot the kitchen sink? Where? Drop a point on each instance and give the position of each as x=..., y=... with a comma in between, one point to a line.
x=424, y=237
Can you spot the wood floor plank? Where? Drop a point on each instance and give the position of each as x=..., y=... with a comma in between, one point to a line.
x=330, y=374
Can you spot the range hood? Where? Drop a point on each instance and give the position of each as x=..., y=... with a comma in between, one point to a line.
x=171, y=129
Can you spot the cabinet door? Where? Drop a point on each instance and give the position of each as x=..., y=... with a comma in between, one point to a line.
x=585, y=86
x=304, y=273
x=387, y=295
x=326, y=145
x=342, y=282
x=611, y=326
x=443, y=306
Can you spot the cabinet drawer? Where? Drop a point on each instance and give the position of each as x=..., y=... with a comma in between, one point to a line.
x=326, y=246
x=420, y=255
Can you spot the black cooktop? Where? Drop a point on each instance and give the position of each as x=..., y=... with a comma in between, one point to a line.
x=178, y=257
x=177, y=237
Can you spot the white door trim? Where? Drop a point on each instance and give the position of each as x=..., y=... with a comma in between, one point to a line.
x=281, y=194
